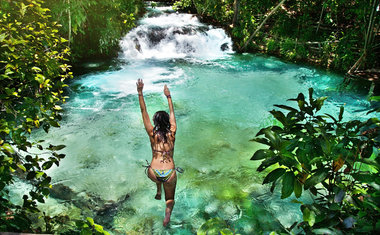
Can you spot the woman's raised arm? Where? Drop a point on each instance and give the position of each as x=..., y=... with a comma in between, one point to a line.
x=173, y=124
x=145, y=115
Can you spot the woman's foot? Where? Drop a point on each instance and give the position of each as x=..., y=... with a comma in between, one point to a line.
x=167, y=218
x=158, y=196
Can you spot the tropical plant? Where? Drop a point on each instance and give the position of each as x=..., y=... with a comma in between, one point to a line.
x=33, y=71
x=337, y=161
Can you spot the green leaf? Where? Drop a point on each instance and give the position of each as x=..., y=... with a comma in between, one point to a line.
x=311, y=100
x=22, y=167
x=364, y=177
x=98, y=228
x=2, y=37
x=272, y=137
x=86, y=231
x=370, y=162
x=308, y=216
x=261, y=141
x=297, y=188
x=319, y=102
x=90, y=220
x=31, y=175
x=286, y=108
x=267, y=162
x=341, y=113
x=7, y=147
x=316, y=178
x=261, y=154
x=56, y=148
x=372, y=98
x=287, y=184
x=226, y=231
x=279, y=116
x=47, y=165
x=274, y=175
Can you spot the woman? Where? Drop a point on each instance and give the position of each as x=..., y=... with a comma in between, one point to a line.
x=162, y=137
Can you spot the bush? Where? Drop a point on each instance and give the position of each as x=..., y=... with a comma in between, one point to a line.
x=335, y=160
x=32, y=78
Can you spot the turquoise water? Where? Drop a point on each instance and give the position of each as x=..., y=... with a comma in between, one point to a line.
x=221, y=100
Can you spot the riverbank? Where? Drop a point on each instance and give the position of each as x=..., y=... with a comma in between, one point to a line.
x=302, y=33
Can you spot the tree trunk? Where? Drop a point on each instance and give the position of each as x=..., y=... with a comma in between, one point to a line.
x=320, y=17
x=262, y=24
x=369, y=35
x=235, y=20
x=69, y=12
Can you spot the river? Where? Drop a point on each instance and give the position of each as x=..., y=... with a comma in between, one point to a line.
x=221, y=100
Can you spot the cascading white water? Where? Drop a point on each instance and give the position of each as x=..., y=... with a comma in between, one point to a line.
x=167, y=35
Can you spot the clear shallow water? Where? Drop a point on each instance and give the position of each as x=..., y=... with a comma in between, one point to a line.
x=221, y=100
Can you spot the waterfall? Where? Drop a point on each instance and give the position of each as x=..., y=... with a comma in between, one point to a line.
x=165, y=34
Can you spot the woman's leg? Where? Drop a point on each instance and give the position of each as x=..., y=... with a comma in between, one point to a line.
x=158, y=194
x=169, y=188
x=153, y=177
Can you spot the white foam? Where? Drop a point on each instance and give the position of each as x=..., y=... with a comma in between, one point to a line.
x=174, y=35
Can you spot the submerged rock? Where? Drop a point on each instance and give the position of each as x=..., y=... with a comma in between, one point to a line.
x=62, y=192
x=102, y=210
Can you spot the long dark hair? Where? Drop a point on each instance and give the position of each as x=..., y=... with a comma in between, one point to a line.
x=161, y=125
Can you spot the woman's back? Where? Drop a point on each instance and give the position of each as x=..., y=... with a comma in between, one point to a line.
x=162, y=151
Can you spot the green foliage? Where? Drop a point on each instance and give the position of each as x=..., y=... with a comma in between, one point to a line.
x=215, y=226
x=95, y=27
x=338, y=26
x=337, y=161
x=89, y=227
x=288, y=49
x=32, y=77
x=272, y=46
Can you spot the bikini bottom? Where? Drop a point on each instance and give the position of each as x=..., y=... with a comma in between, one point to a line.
x=163, y=175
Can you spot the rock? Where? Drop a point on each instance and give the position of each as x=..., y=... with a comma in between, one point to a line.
x=224, y=47
x=62, y=192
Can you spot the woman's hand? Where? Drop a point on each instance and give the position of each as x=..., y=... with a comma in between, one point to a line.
x=166, y=91
x=140, y=85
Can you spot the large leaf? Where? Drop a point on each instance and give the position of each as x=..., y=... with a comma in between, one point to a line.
x=261, y=154
x=297, y=188
x=316, y=178
x=287, y=184
x=274, y=175
x=273, y=137
x=341, y=113
x=279, y=116
x=261, y=140
x=308, y=216
x=267, y=163
x=364, y=177
x=286, y=108
x=319, y=102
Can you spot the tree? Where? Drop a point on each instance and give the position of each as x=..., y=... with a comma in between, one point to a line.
x=33, y=71
x=94, y=27
x=337, y=161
